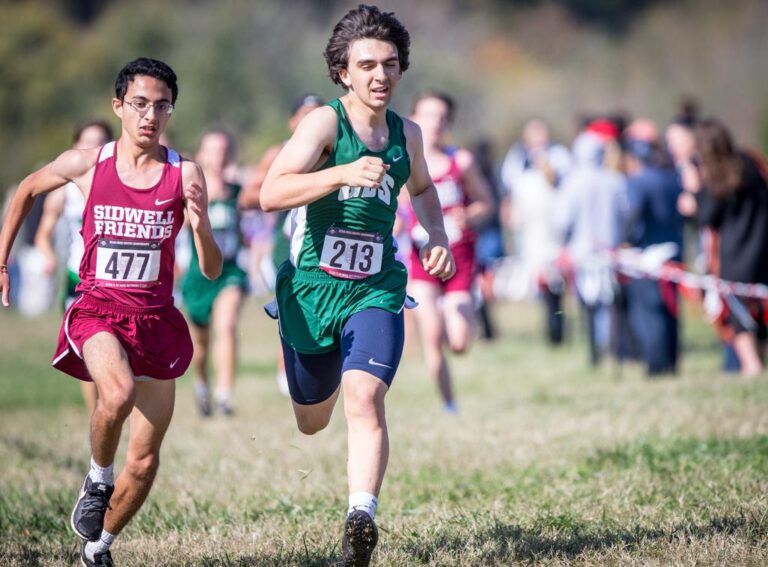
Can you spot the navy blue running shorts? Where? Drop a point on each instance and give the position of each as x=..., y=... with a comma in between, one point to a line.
x=371, y=340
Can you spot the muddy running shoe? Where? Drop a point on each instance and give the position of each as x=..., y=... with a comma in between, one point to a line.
x=91, y=506
x=99, y=559
x=360, y=538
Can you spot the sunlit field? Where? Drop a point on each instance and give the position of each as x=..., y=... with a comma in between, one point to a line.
x=547, y=463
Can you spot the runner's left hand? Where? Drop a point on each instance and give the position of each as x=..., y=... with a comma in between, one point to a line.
x=437, y=260
x=197, y=204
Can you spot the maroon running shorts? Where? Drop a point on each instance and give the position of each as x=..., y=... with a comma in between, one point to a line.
x=463, y=255
x=156, y=339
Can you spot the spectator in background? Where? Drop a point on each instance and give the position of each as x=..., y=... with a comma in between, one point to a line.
x=653, y=190
x=531, y=172
x=734, y=201
x=681, y=145
x=589, y=217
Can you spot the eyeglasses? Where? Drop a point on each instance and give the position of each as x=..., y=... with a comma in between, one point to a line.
x=162, y=108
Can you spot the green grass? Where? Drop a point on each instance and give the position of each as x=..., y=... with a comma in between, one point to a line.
x=549, y=463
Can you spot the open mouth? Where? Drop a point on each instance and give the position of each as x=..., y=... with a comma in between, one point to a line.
x=380, y=91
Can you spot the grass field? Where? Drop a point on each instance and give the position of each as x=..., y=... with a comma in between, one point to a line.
x=548, y=463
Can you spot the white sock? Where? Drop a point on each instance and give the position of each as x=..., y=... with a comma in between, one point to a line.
x=224, y=396
x=102, y=474
x=100, y=546
x=363, y=501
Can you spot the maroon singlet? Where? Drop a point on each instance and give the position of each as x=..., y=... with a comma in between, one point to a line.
x=129, y=235
x=127, y=274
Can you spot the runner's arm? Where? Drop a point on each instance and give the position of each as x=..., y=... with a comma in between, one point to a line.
x=480, y=207
x=53, y=208
x=435, y=255
x=196, y=204
x=250, y=196
x=69, y=166
x=293, y=179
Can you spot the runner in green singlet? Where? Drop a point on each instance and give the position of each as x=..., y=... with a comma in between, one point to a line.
x=341, y=294
x=213, y=306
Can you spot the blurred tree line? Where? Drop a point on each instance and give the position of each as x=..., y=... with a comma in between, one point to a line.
x=241, y=64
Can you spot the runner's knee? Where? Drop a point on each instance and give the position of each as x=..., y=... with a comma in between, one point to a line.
x=117, y=401
x=459, y=345
x=309, y=425
x=143, y=468
x=362, y=404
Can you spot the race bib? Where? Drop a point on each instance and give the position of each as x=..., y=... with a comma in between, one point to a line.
x=351, y=255
x=127, y=262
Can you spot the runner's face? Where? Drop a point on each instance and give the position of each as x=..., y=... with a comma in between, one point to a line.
x=213, y=152
x=144, y=130
x=373, y=71
x=91, y=137
x=431, y=114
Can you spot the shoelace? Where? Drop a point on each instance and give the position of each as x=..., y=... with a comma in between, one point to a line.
x=98, y=501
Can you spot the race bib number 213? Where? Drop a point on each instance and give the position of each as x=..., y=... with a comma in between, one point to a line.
x=351, y=255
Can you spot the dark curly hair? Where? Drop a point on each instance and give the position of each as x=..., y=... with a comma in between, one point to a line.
x=149, y=67
x=365, y=22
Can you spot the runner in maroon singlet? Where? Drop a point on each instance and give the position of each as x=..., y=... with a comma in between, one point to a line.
x=123, y=332
x=446, y=311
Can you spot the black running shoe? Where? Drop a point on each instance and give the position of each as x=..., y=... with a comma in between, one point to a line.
x=360, y=538
x=99, y=559
x=91, y=506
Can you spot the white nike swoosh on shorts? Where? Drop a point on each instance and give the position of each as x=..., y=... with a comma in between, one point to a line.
x=374, y=363
x=174, y=362
x=158, y=202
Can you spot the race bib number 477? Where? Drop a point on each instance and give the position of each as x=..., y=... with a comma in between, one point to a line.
x=127, y=262
x=351, y=255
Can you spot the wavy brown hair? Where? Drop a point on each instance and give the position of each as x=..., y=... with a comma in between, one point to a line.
x=722, y=165
x=365, y=22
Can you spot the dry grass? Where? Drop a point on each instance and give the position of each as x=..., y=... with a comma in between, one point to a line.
x=549, y=463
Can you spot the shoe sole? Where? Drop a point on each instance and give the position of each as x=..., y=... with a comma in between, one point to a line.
x=362, y=537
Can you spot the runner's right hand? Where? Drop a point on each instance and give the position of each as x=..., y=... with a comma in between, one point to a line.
x=368, y=171
x=5, y=286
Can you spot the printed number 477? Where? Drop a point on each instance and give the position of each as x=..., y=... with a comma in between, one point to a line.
x=126, y=260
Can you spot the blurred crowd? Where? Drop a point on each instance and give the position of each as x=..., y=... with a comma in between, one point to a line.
x=682, y=194
x=548, y=222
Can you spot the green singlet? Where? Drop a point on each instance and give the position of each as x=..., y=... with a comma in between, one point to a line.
x=198, y=292
x=342, y=258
